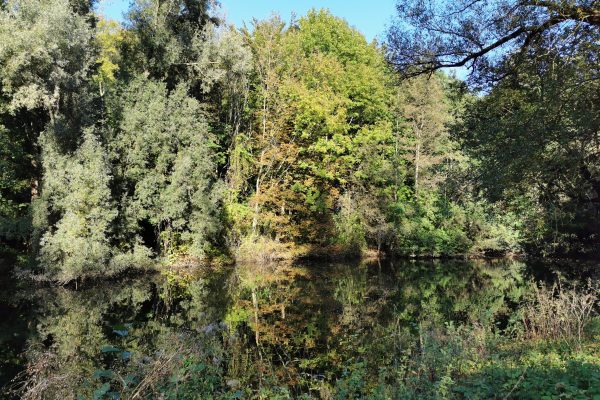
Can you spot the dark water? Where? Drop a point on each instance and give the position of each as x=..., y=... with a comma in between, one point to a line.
x=306, y=318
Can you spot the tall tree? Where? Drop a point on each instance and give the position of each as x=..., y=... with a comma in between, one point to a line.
x=77, y=199
x=428, y=36
x=265, y=42
x=46, y=57
x=536, y=135
x=423, y=105
x=320, y=87
x=164, y=154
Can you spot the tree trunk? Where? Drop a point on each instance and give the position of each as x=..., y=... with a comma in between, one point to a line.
x=417, y=161
x=256, y=206
x=255, y=304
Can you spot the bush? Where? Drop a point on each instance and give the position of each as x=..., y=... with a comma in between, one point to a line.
x=262, y=249
x=558, y=313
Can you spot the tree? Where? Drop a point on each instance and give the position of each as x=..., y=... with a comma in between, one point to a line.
x=164, y=153
x=318, y=90
x=532, y=135
x=231, y=66
x=429, y=36
x=423, y=105
x=46, y=56
x=271, y=111
x=535, y=138
x=171, y=39
x=110, y=37
x=77, y=200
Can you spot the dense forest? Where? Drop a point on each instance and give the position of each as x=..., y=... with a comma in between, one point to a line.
x=175, y=136
x=281, y=210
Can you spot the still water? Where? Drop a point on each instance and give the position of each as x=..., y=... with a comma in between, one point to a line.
x=308, y=319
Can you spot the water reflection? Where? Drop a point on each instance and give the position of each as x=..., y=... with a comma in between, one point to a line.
x=292, y=323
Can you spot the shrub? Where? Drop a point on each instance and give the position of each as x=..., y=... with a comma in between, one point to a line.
x=559, y=313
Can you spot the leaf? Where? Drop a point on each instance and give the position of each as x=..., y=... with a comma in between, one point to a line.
x=101, y=391
x=129, y=380
x=110, y=349
x=102, y=373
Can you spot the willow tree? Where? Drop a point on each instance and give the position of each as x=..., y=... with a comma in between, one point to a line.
x=166, y=168
x=76, y=197
x=46, y=57
x=47, y=54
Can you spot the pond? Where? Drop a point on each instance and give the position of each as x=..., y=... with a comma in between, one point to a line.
x=296, y=324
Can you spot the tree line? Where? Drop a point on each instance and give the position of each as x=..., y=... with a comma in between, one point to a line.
x=175, y=135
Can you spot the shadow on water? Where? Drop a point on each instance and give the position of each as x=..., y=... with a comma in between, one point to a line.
x=15, y=325
x=308, y=319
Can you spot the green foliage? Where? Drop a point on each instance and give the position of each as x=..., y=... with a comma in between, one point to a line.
x=76, y=194
x=165, y=155
x=46, y=55
x=171, y=39
x=109, y=37
x=532, y=137
x=296, y=138
x=350, y=227
x=452, y=368
x=318, y=84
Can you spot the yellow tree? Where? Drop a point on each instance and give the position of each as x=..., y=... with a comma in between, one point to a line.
x=273, y=146
x=109, y=38
x=426, y=112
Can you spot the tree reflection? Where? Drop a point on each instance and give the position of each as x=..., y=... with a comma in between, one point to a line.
x=291, y=325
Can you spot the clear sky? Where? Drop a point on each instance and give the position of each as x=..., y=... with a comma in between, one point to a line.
x=369, y=16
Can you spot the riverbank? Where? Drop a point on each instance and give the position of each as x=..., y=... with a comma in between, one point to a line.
x=261, y=249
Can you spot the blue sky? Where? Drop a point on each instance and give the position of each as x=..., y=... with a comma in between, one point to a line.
x=369, y=16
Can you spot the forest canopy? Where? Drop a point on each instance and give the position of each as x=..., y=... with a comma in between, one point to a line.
x=177, y=136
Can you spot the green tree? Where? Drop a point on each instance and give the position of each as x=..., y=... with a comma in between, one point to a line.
x=46, y=56
x=320, y=86
x=164, y=153
x=171, y=40
x=535, y=137
x=76, y=194
x=110, y=38
x=424, y=107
